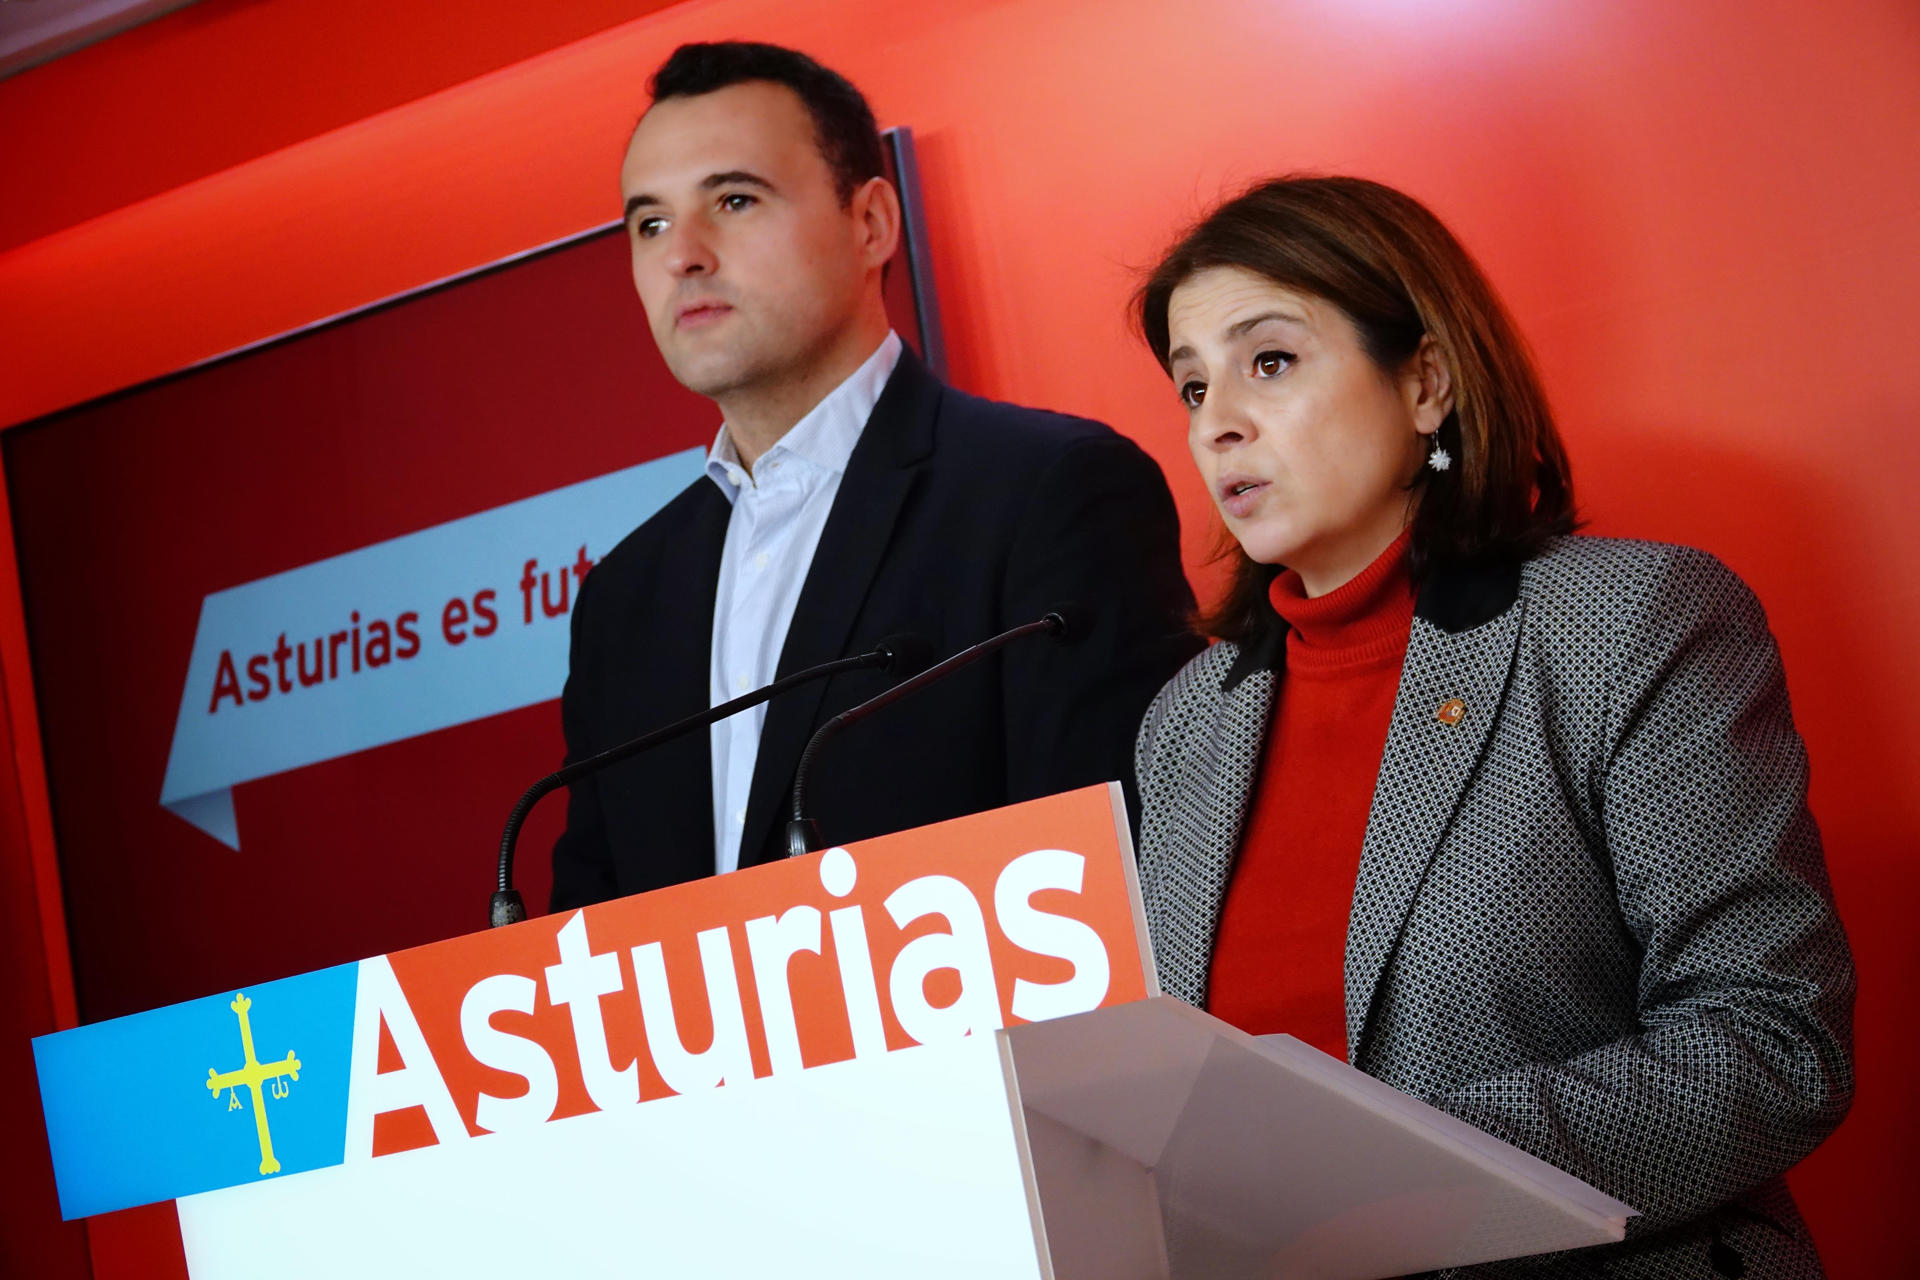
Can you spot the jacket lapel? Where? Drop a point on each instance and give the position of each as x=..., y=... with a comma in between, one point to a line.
x=880, y=475
x=1430, y=759
x=671, y=683
x=1185, y=893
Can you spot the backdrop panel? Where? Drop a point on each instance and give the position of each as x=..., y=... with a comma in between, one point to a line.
x=298, y=616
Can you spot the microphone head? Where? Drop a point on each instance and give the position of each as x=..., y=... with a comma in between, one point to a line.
x=907, y=654
x=1070, y=621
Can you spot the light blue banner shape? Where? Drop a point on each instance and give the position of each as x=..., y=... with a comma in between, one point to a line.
x=224, y=738
x=130, y=1117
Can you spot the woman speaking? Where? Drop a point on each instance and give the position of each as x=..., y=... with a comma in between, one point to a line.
x=1511, y=819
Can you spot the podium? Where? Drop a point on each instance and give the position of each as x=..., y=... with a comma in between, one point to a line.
x=938, y=1053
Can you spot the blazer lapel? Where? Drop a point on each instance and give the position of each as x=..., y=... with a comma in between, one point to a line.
x=1186, y=892
x=1451, y=691
x=690, y=579
x=671, y=683
x=880, y=475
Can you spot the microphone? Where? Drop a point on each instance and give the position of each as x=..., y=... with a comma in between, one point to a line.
x=904, y=654
x=1065, y=622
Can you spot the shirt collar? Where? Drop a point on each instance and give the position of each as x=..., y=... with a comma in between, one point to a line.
x=826, y=436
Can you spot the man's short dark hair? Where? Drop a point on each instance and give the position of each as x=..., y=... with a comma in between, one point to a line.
x=843, y=125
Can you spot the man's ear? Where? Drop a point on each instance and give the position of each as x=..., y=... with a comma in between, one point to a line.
x=1428, y=386
x=876, y=213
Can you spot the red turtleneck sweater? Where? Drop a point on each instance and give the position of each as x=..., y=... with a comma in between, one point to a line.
x=1280, y=954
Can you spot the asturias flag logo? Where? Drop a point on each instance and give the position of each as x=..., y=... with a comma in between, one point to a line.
x=149, y=1107
x=252, y=1077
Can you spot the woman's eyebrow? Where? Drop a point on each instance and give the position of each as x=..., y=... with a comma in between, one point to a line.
x=1240, y=328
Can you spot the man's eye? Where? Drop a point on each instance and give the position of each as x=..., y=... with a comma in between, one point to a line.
x=1192, y=393
x=648, y=228
x=1269, y=364
x=734, y=202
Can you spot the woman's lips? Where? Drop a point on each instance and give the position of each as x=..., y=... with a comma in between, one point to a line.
x=1239, y=495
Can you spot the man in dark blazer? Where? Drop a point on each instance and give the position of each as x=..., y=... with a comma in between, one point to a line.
x=760, y=226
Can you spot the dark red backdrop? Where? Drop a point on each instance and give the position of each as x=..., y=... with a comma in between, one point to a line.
x=127, y=512
x=509, y=383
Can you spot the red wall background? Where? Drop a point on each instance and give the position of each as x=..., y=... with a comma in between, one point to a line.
x=1703, y=216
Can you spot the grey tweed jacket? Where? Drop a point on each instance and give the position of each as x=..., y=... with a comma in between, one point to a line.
x=1592, y=915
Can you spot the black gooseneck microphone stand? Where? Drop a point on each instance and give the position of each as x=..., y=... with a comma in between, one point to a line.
x=900, y=654
x=1063, y=622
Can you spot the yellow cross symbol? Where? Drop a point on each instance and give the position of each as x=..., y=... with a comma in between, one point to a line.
x=253, y=1075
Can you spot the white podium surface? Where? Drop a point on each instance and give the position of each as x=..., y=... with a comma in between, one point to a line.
x=908, y=1164
x=1265, y=1158
x=1144, y=1141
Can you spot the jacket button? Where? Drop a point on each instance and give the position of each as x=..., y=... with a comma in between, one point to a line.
x=1452, y=711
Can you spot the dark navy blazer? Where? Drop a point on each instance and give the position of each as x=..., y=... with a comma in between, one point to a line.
x=957, y=518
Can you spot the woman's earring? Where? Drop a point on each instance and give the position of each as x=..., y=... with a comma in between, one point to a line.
x=1439, y=459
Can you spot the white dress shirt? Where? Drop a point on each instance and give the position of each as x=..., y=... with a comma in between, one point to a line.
x=779, y=510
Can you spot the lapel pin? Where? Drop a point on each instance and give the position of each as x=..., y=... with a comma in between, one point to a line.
x=1452, y=711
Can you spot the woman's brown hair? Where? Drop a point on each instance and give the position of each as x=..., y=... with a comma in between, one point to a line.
x=1399, y=275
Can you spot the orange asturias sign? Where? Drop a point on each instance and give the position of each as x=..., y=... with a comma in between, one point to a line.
x=1017, y=915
